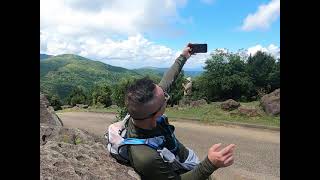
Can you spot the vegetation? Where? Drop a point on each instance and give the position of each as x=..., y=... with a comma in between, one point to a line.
x=101, y=95
x=77, y=96
x=61, y=74
x=70, y=79
x=228, y=76
x=213, y=113
x=176, y=92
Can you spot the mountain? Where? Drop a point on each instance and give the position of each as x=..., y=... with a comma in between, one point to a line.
x=60, y=74
x=44, y=56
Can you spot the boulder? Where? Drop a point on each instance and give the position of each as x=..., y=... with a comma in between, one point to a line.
x=84, y=106
x=229, y=105
x=47, y=113
x=70, y=153
x=251, y=112
x=198, y=103
x=271, y=102
x=184, y=102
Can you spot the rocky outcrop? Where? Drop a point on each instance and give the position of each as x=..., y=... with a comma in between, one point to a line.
x=229, y=105
x=69, y=153
x=47, y=114
x=271, y=103
x=198, y=103
x=251, y=112
x=84, y=106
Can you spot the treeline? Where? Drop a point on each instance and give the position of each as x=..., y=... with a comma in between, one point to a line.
x=229, y=75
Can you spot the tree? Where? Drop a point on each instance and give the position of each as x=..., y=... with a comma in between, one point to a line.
x=54, y=101
x=176, y=91
x=274, y=76
x=101, y=95
x=118, y=96
x=262, y=69
x=225, y=77
x=198, y=90
x=77, y=96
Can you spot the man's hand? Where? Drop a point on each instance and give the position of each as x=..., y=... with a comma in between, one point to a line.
x=186, y=52
x=221, y=158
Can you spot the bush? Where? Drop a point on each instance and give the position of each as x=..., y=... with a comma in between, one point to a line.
x=77, y=96
x=118, y=96
x=101, y=95
x=54, y=101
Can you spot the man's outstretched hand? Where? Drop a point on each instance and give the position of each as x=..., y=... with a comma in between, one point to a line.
x=221, y=158
x=186, y=52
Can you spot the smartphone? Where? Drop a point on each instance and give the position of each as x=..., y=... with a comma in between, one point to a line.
x=198, y=48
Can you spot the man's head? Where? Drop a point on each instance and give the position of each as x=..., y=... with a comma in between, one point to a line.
x=145, y=100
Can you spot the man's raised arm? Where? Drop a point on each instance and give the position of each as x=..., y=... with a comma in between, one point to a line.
x=171, y=75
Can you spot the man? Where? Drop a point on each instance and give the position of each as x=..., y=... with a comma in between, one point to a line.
x=146, y=102
x=187, y=87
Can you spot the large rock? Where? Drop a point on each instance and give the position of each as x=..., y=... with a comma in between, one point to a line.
x=47, y=113
x=230, y=105
x=251, y=112
x=271, y=103
x=198, y=103
x=70, y=153
x=84, y=106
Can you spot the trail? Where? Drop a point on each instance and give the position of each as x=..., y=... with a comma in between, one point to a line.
x=257, y=153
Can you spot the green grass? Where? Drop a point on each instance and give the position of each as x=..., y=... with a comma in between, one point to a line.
x=213, y=113
x=77, y=141
x=91, y=109
x=206, y=113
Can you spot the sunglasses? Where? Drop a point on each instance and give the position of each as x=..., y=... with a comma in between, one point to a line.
x=166, y=97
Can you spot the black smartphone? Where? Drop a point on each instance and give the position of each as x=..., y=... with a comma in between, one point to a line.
x=198, y=48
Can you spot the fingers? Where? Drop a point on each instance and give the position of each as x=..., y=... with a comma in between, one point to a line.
x=215, y=147
x=229, y=161
x=227, y=149
x=227, y=156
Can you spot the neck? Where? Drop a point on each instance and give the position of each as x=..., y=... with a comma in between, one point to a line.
x=144, y=124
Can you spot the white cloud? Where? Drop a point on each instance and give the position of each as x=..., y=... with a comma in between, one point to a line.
x=271, y=49
x=110, y=31
x=263, y=17
x=125, y=17
x=135, y=51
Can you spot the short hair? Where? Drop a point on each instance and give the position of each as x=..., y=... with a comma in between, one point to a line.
x=140, y=92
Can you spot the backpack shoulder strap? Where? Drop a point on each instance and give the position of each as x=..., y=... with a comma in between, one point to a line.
x=155, y=142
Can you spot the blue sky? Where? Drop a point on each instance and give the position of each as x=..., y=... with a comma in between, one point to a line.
x=218, y=25
x=141, y=33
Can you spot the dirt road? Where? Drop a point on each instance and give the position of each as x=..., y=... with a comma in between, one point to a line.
x=257, y=155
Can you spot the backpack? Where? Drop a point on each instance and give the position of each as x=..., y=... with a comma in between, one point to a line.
x=118, y=143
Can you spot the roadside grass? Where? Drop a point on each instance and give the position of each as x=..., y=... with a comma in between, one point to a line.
x=205, y=113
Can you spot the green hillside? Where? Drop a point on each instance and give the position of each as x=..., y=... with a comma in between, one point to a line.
x=59, y=74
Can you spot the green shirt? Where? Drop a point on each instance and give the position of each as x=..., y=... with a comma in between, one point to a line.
x=147, y=162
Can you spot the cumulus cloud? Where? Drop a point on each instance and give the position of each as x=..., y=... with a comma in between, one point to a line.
x=126, y=17
x=132, y=52
x=110, y=31
x=271, y=49
x=263, y=17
